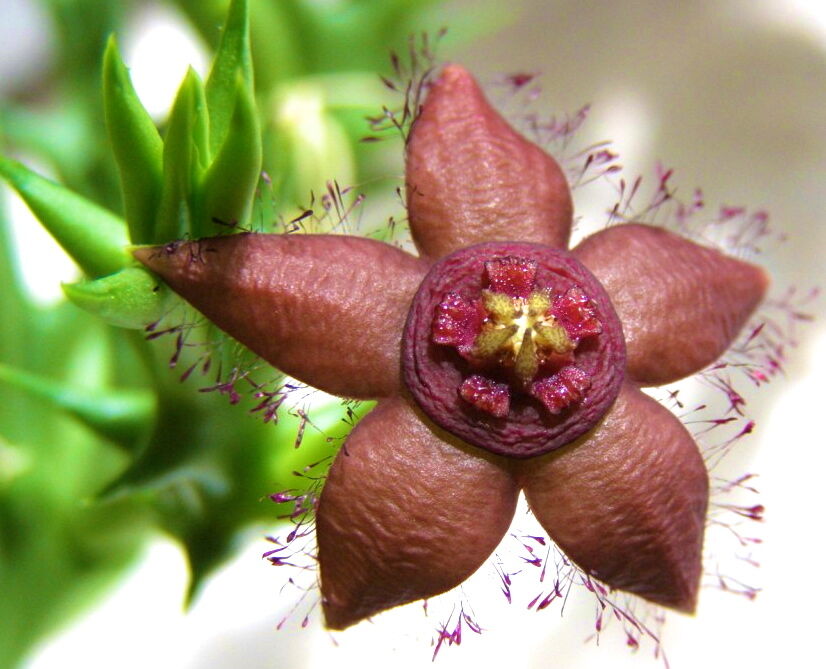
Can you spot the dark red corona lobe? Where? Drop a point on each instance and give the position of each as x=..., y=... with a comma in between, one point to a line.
x=457, y=322
x=510, y=275
x=487, y=395
x=562, y=390
x=575, y=311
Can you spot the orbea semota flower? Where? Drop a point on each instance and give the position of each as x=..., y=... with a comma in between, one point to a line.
x=501, y=362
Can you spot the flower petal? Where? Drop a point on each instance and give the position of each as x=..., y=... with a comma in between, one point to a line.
x=407, y=512
x=472, y=178
x=681, y=304
x=627, y=502
x=326, y=309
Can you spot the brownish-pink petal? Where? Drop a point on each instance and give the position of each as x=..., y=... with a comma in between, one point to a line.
x=627, y=502
x=681, y=304
x=472, y=178
x=326, y=309
x=407, y=512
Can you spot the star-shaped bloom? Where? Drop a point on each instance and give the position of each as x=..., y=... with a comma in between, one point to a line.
x=500, y=361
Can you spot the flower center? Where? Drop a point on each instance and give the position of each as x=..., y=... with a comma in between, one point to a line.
x=521, y=336
x=520, y=332
x=513, y=347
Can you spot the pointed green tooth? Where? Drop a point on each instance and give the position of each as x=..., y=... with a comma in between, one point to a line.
x=131, y=298
x=94, y=237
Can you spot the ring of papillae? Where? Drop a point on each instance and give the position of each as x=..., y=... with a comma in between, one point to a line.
x=513, y=347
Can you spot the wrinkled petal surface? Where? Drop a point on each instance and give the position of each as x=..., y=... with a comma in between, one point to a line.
x=681, y=304
x=407, y=512
x=326, y=309
x=472, y=178
x=627, y=502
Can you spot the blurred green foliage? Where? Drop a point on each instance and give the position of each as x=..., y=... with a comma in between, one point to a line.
x=101, y=445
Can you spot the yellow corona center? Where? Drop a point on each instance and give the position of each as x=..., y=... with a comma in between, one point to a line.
x=520, y=332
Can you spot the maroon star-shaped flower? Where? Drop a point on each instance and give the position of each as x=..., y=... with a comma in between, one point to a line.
x=501, y=362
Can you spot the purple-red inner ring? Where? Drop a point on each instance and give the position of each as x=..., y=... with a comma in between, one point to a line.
x=434, y=373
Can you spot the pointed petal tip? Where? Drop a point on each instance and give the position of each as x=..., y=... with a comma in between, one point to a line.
x=756, y=277
x=687, y=604
x=455, y=75
x=156, y=258
x=142, y=254
x=762, y=280
x=176, y=263
x=326, y=309
x=338, y=616
x=681, y=592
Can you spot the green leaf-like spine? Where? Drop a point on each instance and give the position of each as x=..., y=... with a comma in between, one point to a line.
x=185, y=159
x=137, y=146
x=229, y=185
x=232, y=58
x=93, y=236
